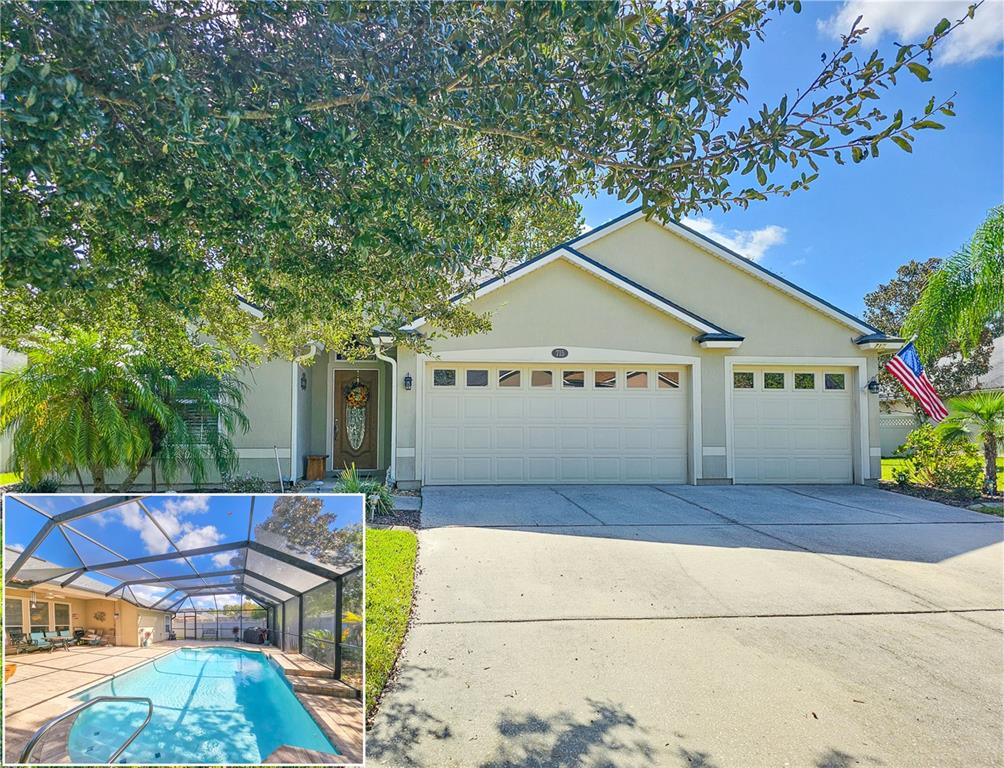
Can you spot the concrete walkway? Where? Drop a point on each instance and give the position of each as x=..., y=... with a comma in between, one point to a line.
x=715, y=626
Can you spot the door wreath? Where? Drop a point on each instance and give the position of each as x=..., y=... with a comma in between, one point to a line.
x=357, y=397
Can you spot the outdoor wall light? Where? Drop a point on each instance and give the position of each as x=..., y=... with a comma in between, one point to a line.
x=408, y=381
x=873, y=385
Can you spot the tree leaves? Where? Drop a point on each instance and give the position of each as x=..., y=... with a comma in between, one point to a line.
x=365, y=169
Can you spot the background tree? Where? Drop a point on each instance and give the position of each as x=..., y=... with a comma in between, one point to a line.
x=951, y=373
x=964, y=295
x=85, y=403
x=345, y=165
x=302, y=524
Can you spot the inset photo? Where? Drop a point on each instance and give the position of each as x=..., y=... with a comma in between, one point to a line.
x=183, y=629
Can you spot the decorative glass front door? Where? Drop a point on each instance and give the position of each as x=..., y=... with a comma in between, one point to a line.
x=355, y=419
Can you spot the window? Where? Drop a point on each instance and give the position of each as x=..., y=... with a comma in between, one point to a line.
x=62, y=616
x=833, y=381
x=167, y=625
x=742, y=380
x=573, y=379
x=202, y=419
x=13, y=615
x=38, y=613
x=541, y=378
x=477, y=377
x=773, y=380
x=637, y=379
x=604, y=379
x=444, y=377
x=668, y=380
x=508, y=378
x=805, y=381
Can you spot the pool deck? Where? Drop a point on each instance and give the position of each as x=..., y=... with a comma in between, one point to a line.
x=44, y=684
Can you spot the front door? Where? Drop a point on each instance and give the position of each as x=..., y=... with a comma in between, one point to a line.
x=355, y=414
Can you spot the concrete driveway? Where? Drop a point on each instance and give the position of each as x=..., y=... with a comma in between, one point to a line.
x=607, y=626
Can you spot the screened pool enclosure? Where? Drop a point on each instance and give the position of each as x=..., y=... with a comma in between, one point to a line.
x=279, y=570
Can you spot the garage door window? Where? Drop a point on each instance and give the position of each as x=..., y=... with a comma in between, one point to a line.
x=805, y=381
x=637, y=379
x=508, y=378
x=773, y=380
x=573, y=379
x=477, y=377
x=669, y=380
x=605, y=379
x=444, y=377
x=542, y=379
x=742, y=380
x=833, y=381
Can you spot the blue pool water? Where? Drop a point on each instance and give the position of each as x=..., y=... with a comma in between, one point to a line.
x=212, y=705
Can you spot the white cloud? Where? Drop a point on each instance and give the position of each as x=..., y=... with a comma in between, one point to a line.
x=185, y=534
x=798, y=262
x=751, y=243
x=222, y=559
x=147, y=594
x=16, y=547
x=907, y=22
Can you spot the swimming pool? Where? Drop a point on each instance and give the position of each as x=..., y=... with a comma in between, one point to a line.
x=211, y=705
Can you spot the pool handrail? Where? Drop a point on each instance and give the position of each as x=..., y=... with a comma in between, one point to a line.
x=33, y=741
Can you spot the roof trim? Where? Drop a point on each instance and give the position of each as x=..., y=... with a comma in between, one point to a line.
x=595, y=268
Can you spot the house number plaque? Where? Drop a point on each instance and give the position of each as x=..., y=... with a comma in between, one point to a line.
x=559, y=352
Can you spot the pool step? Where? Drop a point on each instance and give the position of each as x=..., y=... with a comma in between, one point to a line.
x=321, y=686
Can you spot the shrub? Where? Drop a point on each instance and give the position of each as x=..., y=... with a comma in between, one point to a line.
x=377, y=494
x=902, y=476
x=248, y=483
x=45, y=485
x=951, y=465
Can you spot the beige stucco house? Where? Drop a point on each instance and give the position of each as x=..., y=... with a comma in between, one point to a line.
x=636, y=353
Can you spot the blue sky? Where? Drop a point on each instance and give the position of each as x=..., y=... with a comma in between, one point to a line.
x=192, y=521
x=858, y=223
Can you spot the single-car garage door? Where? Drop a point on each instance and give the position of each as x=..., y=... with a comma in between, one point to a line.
x=533, y=423
x=792, y=425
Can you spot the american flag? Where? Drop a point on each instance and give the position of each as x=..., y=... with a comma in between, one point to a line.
x=906, y=367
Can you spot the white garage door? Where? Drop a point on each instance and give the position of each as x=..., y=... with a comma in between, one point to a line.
x=792, y=425
x=526, y=423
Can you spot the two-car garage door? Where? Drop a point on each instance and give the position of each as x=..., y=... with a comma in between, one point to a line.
x=539, y=423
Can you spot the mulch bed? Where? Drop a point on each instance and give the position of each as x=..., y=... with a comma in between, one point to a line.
x=399, y=517
x=941, y=496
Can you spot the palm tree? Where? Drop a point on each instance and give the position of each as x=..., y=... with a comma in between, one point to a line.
x=978, y=416
x=965, y=295
x=177, y=443
x=87, y=403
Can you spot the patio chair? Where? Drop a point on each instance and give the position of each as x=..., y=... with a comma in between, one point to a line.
x=52, y=636
x=67, y=635
x=39, y=641
x=18, y=642
x=96, y=637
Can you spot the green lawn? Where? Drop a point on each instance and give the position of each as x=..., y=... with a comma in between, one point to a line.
x=888, y=465
x=390, y=578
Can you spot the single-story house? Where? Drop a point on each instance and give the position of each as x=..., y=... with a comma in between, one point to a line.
x=637, y=352
x=82, y=605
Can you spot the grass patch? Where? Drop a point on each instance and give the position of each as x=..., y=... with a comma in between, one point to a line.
x=390, y=579
x=890, y=465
